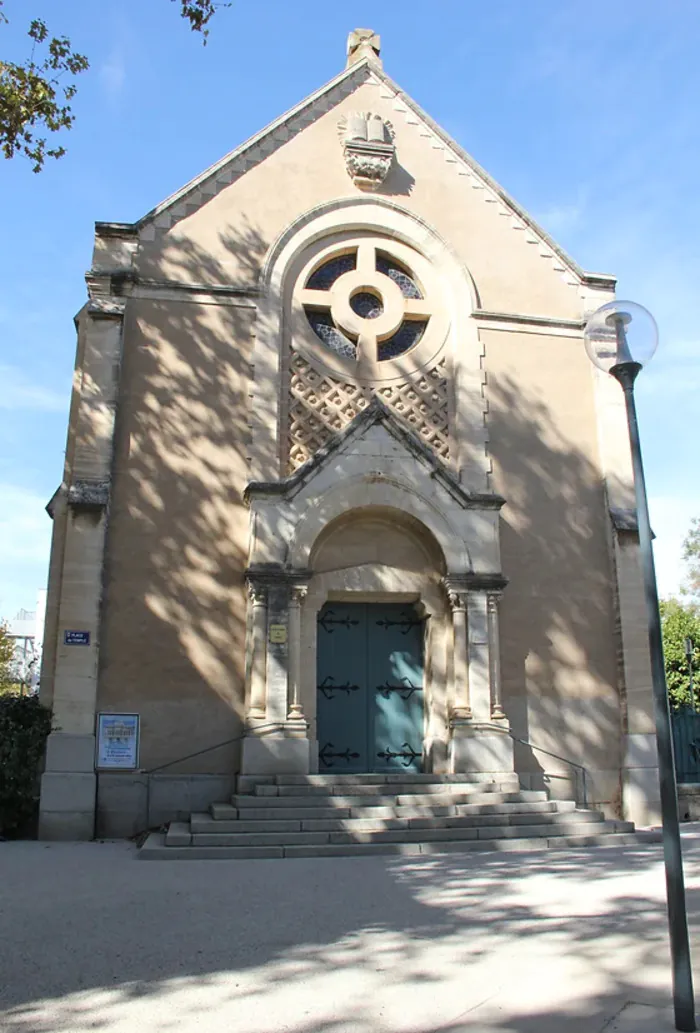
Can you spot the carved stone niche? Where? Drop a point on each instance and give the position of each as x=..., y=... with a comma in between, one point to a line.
x=368, y=148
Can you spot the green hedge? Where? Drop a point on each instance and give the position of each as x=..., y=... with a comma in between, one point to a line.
x=24, y=726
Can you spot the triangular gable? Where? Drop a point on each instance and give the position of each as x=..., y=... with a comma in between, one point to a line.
x=376, y=412
x=232, y=166
x=208, y=184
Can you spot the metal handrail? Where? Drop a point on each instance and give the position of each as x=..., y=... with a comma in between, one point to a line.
x=189, y=756
x=198, y=753
x=238, y=738
x=556, y=756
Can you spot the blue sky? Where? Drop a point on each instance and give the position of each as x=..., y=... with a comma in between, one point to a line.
x=585, y=111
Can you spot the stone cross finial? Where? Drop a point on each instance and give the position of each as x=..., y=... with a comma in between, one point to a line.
x=363, y=43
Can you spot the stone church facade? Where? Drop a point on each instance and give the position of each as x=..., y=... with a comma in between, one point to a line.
x=342, y=491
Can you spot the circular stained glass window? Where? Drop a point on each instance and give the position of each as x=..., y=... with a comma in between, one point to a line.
x=364, y=301
x=366, y=305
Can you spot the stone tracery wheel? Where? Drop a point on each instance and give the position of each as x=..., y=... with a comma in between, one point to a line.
x=366, y=304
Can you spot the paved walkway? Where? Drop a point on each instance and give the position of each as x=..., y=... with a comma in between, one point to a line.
x=91, y=940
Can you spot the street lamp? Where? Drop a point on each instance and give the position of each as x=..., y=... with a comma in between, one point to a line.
x=620, y=338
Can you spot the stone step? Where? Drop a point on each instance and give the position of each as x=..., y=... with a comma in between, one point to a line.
x=204, y=823
x=407, y=778
x=385, y=789
x=388, y=800
x=226, y=812
x=405, y=835
x=178, y=834
x=154, y=848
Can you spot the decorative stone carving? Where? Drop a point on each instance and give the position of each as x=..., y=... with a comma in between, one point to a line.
x=88, y=495
x=368, y=148
x=457, y=601
x=363, y=43
x=320, y=406
x=257, y=593
x=297, y=594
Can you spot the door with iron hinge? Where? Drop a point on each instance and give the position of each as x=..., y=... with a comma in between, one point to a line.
x=370, y=687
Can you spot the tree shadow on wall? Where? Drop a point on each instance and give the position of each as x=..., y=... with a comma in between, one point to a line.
x=174, y=643
x=178, y=532
x=558, y=652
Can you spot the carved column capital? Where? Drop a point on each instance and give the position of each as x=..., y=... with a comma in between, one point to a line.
x=457, y=601
x=297, y=594
x=257, y=593
x=493, y=600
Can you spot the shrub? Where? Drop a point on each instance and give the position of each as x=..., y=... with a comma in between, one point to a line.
x=24, y=726
x=678, y=622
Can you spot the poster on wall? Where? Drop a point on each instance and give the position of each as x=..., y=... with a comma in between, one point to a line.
x=118, y=741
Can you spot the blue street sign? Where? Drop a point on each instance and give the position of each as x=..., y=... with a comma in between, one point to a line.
x=76, y=638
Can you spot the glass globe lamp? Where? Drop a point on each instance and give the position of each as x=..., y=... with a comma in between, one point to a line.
x=620, y=338
x=621, y=334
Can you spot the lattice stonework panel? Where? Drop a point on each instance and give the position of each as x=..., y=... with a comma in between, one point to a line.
x=319, y=406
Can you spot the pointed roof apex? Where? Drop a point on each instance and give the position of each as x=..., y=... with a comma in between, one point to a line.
x=363, y=43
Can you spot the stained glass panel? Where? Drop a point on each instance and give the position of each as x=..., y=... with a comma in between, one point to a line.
x=401, y=277
x=367, y=305
x=325, y=276
x=407, y=335
x=325, y=329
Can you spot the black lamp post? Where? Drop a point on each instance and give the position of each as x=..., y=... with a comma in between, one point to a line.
x=620, y=338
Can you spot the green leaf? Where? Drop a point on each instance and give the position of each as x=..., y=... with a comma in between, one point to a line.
x=33, y=97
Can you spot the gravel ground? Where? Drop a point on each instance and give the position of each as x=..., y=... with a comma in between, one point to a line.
x=499, y=943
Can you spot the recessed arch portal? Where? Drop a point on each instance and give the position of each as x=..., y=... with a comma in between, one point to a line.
x=377, y=535
x=406, y=505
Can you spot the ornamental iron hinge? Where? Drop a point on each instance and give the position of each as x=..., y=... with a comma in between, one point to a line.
x=406, y=691
x=327, y=689
x=328, y=752
x=407, y=754
x=408, y=621
x=328, y=618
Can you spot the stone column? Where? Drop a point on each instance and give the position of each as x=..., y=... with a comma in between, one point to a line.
x=277, y=741
x=277, y=654
x=461, y=708
x=480, y=743
x=257, y=595
x=479, y=656
x=296, y=712
x=497, y=712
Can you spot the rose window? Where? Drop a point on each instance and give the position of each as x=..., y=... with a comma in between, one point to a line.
x=365, y=304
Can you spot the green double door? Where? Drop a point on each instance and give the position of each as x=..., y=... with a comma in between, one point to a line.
x=369, y=688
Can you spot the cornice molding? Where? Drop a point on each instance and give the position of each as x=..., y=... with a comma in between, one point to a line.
x=125, y=283
x=521, y=317
x=88, y=495
x=474, y=582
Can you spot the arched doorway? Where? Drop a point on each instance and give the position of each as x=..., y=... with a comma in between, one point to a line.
x=374, y=609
